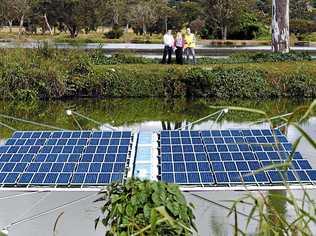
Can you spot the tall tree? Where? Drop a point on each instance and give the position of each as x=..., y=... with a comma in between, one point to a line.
x=9, y=12
x=114, y=11
x=280, y=26
x=22, y=9
x=223, y=14
x=300, y=9
x=146, y=13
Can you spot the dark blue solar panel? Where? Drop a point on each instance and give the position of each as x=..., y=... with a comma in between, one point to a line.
x=63, y=179
x=247, y=177
x=91, y=179
x=56, y=158
x=235, y=156
x=11, y=178
x=167, y=177
x=312, y=175
x=222, y=178
x=183, y=152
x=51, y=178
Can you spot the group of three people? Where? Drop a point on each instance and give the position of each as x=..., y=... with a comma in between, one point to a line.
x=182, y=45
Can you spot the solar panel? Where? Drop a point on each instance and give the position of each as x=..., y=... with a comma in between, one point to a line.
x=64, y=158
x=231, y=157
x=213, y=158
x=183, y=159
x=104, y=159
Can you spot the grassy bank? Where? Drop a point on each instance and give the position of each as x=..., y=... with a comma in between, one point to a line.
x=130, y=37
x=52, y=74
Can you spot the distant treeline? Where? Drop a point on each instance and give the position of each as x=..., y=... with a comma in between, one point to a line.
x=211, y=19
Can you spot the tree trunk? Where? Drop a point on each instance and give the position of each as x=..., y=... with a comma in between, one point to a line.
x=166, y=24
x=47, y=24
x=10, y=25
x=224, y=32
x=280, y=26
x=126, y=28
x=21, y=24
x=144, y=28
x=73, y=31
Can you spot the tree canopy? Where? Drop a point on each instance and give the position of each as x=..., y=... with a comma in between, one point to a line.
x=238, y=19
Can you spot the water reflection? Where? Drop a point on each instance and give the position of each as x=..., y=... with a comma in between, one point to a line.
x=133, y=113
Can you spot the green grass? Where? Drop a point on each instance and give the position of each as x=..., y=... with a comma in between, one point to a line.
x=310, y=37
x=92, y=37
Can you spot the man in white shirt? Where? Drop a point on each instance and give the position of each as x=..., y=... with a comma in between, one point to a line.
x=168, y=41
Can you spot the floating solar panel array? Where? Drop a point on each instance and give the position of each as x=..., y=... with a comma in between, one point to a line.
x=79, y=158
x=212, y=158
x=230, y=158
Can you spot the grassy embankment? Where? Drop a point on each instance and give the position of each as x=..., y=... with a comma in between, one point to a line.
x=52, y=74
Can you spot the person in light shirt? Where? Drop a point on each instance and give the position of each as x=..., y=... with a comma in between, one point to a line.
x=168, y=41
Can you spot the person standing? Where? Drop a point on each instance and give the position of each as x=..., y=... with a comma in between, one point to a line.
x=179, y=44
x=168, y=41
x=190, y=44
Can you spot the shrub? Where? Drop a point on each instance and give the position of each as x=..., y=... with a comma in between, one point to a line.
x=300, y=26
x=116, y=32
x=299, y=84
x=25, y=83
x=72, y=73
x=153, y=208
x=198, y=82
x=226, y=83
x=269, y=57
x=79, y=65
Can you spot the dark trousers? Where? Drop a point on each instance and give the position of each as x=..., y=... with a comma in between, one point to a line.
x=179, y=55
x=167, y=52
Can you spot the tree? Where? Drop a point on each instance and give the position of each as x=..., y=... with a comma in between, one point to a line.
x=41, y=9
x=189, y=11
x=9, y=12
x=300, y=9
x=113, y=11
x=222, y=14
x=74, y=15
x=145, y=14
x=280, y=26
x=22, y=9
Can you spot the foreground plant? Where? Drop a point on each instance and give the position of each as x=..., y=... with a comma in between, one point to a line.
x=268, y=210
x=145, y=208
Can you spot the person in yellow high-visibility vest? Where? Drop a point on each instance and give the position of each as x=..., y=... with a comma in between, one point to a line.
x=189, y=45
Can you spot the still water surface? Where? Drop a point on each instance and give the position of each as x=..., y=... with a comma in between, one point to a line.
x=136, y=115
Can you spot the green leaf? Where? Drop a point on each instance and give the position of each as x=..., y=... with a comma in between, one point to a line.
x=156, y=198
x=147, y=211
x=130, y=210
x=96, y=222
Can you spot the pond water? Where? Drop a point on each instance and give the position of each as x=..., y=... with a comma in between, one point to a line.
x=137, y=115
